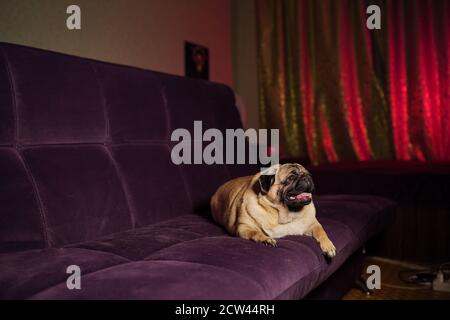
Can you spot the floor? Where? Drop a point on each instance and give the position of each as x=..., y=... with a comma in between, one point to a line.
x=392, y=286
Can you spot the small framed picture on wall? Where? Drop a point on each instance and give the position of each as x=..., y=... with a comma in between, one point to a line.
x=196, y=61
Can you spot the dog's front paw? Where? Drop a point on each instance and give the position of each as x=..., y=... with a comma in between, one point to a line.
x=328, y=248
x=270, y=242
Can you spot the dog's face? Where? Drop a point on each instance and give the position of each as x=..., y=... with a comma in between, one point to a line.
x=290, y=185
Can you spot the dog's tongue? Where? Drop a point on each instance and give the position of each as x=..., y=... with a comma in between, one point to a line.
x=303, y=196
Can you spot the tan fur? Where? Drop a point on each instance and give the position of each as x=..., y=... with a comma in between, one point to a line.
x=244, y=211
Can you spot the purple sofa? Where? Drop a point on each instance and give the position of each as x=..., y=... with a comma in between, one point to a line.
x=86, y=179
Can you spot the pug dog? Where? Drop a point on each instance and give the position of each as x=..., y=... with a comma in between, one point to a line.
x=269, y=205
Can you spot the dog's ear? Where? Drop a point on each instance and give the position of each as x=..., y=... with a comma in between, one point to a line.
x=266, y=181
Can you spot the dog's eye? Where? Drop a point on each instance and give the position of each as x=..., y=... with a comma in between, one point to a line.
x=290, y=179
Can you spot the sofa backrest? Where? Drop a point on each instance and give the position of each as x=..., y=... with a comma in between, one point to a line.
x=85, y=147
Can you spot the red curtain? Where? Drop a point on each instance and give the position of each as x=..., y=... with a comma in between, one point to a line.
x=419, y=69
x=363, y=94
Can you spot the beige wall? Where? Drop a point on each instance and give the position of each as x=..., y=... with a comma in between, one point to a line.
x=144, y=33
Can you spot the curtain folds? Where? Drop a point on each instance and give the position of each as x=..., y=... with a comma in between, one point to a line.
x=339, y=91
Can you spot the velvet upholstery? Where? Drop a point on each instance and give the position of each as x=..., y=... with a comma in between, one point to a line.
x=6, y=101
x=155, y=171
x=208, y=258
x=20, y=219
x=66, y=87
x=80, y=192
x=26, y=272
x=87, y=179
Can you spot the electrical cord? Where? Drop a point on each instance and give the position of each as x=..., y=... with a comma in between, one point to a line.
x=418, y=276
x=394, y=286
x=441, y=267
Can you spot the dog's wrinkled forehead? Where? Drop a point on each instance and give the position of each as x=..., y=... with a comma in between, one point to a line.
x=290, y=168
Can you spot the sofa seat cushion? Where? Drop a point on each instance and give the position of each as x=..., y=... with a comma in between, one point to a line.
x=137, y=244
x=25, y=273
x=159, y=280
x=190, y=257
x=364, y=215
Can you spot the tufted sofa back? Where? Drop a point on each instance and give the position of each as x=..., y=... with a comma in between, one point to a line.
x=85, y=147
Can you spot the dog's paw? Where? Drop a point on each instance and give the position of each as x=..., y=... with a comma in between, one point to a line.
x=328, y=248
x=270, y=242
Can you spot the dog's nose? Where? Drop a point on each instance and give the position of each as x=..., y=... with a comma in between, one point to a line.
x=303, y=183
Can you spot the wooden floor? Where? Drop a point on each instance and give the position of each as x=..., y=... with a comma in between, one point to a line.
x=392, y=287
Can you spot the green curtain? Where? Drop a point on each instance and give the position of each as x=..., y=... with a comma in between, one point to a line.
x=321, y=79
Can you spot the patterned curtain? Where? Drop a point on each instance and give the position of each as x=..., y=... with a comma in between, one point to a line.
x=339, y=91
